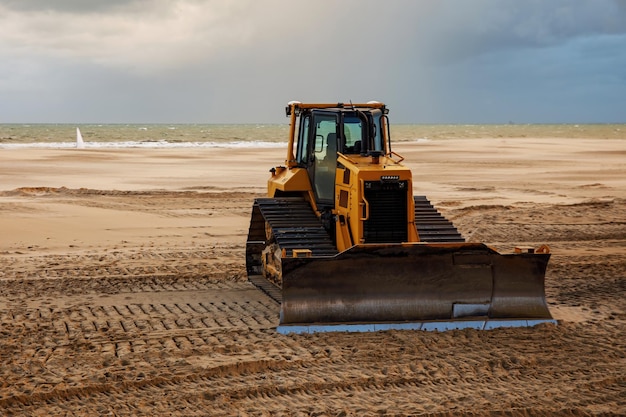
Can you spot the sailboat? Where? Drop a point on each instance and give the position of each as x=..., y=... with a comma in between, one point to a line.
x=79, y=140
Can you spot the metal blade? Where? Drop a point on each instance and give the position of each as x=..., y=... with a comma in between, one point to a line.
x=413, y=283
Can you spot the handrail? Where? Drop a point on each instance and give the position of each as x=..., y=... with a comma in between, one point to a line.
x=347, y=158
x=365, y=202
x=398, y=155
x=291, y=158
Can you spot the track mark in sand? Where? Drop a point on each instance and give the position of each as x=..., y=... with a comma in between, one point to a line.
x=231, y=307
x=212, y=261
x=105, y=392
x=182, y=333
x=438, y=383
x=299, y=370
x=225, y=323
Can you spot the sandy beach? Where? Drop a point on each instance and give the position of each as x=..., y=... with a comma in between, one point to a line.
x=123, y=288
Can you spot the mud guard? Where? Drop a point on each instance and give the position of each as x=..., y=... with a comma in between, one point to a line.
x=459, y=283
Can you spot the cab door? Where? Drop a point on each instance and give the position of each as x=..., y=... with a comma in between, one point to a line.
x=323, y=157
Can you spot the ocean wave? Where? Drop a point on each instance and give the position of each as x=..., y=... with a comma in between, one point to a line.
x=144, y=144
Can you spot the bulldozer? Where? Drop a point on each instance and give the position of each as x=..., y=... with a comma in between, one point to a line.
x=342, y=243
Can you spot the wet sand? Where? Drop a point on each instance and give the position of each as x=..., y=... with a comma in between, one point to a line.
x=123, y=289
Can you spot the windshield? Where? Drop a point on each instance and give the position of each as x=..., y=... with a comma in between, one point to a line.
x=355, y=132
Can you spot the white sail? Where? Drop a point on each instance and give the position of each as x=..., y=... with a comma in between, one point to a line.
x=79, y=140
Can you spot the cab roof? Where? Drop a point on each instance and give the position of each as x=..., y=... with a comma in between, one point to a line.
x=297, y=107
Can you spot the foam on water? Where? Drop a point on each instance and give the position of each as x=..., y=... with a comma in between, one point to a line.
x=253, y=136
x=145, y=145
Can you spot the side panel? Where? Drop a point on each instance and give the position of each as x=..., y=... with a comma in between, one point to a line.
x=288, y=180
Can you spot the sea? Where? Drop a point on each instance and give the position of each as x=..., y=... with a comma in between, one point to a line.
x=95, y=136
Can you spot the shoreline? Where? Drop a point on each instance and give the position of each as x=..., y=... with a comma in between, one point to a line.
x=590, y=168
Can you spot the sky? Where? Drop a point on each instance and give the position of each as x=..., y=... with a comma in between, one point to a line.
x=241, y=61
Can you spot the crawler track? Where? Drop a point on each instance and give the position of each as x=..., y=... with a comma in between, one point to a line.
x=431, y=225
x=293, y=223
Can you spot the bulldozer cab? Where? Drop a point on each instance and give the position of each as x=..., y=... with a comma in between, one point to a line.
x=324, y=133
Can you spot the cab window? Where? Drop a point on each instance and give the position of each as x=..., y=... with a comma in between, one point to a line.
x=302, y=155
x=325, y=136
x=353, y=134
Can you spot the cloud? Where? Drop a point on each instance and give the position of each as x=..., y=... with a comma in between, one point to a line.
x=74, y=6
x=218, y=60
x=136, y=33
x=126, y=35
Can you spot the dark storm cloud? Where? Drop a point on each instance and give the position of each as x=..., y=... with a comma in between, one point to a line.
x=463, y=30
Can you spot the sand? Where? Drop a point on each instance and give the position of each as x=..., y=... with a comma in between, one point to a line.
x=123, y=289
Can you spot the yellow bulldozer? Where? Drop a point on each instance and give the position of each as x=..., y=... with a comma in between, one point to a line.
x=342, y=243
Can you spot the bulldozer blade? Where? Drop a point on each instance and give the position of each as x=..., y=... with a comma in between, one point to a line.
x=428, y=286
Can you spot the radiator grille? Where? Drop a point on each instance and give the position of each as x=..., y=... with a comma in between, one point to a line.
x=387, y=221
